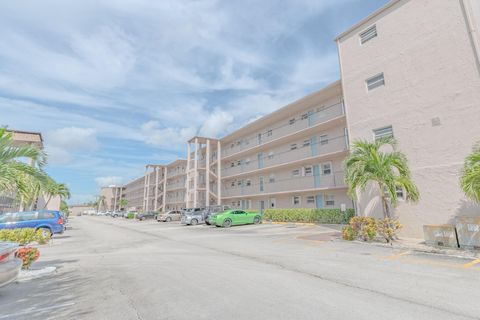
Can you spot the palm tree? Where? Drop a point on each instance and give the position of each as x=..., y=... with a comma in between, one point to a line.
x=53, y=189
x=16, y=176
x=388, y=170
x=123, y=202
x=470, y=178
x=100, y=202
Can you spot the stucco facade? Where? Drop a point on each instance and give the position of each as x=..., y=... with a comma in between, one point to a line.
x=431, y=98
x=289, y=158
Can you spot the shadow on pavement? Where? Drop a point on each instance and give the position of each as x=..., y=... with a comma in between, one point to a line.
x=52, y=297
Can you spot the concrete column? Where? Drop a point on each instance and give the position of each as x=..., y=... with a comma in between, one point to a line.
x=165, y=172
x=115, y=199
x=207, y=175
x=145, y=188
x=195, y=175
x=219, y=173
x=147, y=205
x=187, y=196
x=155, y=205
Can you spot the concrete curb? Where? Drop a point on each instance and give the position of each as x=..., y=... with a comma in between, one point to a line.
x=463, y=254
x=27, y=275
x=290, y=223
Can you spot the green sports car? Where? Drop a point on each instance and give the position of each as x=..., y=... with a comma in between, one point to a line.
x=235, y=217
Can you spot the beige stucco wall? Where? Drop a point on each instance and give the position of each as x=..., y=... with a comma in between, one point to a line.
x=424, y=50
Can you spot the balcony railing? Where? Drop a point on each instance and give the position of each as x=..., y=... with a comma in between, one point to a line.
x=316, y=181
x=178, y=185
x=300, y=122
x=264, y=160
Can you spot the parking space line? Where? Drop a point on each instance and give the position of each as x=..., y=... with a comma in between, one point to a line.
x=471, y=263
x=398, y=255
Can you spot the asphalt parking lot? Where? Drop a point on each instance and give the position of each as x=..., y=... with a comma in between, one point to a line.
x=121, y=269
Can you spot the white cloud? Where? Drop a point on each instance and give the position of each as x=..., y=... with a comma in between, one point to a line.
x=108, y=181
x=216, y=124
x=171, y=137
x=73, y=138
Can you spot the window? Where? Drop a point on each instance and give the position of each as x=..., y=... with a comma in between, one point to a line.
x=271, y=178
x=296, y=173
x=233, y=183
x=368, y=34
x=269, y=133
x=304, y=116
x=239, y=142
x=239, y=162
x=239, y=182
x=375, y=82
x=232, y=164
x=247, y=161
x=310, y=199
x=306, y=143
x=329, y=201
x=293, y=146
x=326, y=168
x=248, y=182
x=308, y=171
x=232, y=145
x=291, y=121
x=385, y=132
x=400, y=194
x=270, y=155
x=324, y=139
x=296, y=200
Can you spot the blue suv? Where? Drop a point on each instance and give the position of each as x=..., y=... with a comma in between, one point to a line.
x=45, y=220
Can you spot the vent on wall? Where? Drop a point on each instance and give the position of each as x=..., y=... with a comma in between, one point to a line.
x=368, y=34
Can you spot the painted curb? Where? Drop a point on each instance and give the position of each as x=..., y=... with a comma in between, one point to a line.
x=27, y=275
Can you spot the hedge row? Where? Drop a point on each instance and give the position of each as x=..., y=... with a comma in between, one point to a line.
x=331, y=216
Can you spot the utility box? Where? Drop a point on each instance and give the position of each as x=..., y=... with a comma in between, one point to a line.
x=440, y=236
x=468, y=231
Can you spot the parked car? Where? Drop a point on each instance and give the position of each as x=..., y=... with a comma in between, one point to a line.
x=192, y=216
x=173, y=215
x=235, y=217
x=118, y=214
x=48, y=221
x=101, y=213
x=9, y=264
x=213, y=210
x=147, y=215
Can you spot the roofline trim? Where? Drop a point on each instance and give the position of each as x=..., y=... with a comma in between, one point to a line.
x=368, y=18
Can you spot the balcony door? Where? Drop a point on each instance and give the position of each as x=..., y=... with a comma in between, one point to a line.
x=318, y=201
x=316, y=176
x=260, y=160
x=314, y=146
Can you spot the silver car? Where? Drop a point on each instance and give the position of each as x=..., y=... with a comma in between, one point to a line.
x=9, y=264
x=192, y=216
x=169, y=216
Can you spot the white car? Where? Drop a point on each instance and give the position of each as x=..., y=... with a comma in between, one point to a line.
x=101, y=213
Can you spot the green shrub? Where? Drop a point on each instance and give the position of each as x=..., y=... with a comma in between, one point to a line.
x=348, y=233
x=23, y=236
x=388, y=229
x=330, y=216
x=130, y=215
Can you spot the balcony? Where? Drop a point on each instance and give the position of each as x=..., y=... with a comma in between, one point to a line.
x=288, y=157
x=175, y=186
x=311, y=183
x=302, y=122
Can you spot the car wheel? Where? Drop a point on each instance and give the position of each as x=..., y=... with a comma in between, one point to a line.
x=194, y=222
x=256, y=220
x=227, y=223
x=46, y=232
x=142, y=218
x=115, y=215
x=207, y=223
x=168, y=219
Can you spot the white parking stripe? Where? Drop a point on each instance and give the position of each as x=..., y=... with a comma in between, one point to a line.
x=34, y=310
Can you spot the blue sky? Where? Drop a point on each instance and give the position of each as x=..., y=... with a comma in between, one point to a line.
x=115, y=84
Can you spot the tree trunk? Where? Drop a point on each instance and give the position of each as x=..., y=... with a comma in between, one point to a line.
x=386, y=213
x=46, y=203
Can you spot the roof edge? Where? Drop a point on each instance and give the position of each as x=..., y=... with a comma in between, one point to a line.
x=368, y=18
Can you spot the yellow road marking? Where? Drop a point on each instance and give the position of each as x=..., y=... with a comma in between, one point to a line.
x=471, y=263
x=398, y=255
